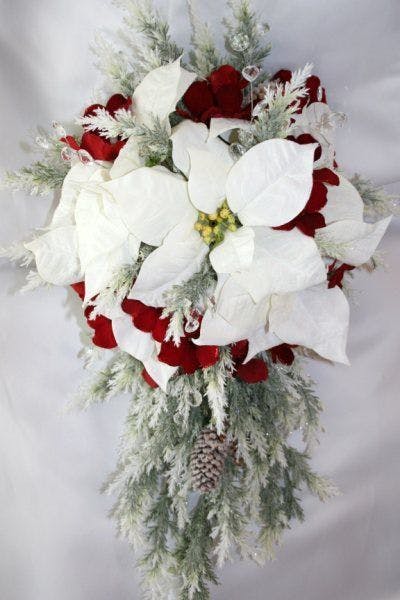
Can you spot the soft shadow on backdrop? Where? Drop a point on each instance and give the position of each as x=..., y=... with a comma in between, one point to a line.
x=55, y=539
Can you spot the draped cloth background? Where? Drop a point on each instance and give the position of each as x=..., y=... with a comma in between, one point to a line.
x=55, y=539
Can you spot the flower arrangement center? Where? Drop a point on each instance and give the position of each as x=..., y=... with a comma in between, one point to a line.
x=212, y=227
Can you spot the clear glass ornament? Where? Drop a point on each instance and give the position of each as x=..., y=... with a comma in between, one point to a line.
x=67, y=154
x=59, y=129
x=196, y=399
x=192, y=324
x=237, y=150
x=246, y=138
x=251, y=72
x=85, y=157
x=240, y=42
x=320, y=93
x=42, y=142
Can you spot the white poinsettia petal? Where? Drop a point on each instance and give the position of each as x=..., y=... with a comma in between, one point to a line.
x=152, y=201
x=128, y=159
x=174, y=262
x=261, y=340
x=271, y=183
x=344, y=202
x=317, y=318
x=159, y=92
x=235, y=253
x=99, y=225
x=236, y=316
x=219, y=126
x=137, y=343
x=207, y=179
x=188, y=135
x=71, y=188
x=284, y=261
x=159, y=372
x=101, y=269
x=56, y=255
x=184, y=136
x=352, y=242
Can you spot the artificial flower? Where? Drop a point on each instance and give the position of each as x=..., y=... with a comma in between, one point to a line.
x=220, y=95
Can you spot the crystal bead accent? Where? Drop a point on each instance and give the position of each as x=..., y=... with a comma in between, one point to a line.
x=85, y=157
x=251, y=72
x=59, y=129
x=240, y=42
x=67, y=154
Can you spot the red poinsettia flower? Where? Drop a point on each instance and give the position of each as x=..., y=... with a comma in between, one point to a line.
x=316, y=93
x=253, y=371
x=220, y=95
x=282, y=354
x=103, y=333
x=336, y=274
x=99, y=147
x=310, y=219
x=187, y=354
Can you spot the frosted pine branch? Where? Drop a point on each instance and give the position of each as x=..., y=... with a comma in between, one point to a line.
x=204, y=58
x=377, y=202
x=17, y=253
x=245, y=35
x=157, y=48
x=122, y=124
x=273, y=114
x=113, y=64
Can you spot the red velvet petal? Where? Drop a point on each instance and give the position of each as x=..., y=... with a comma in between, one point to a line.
x=116, y=102
x=207, y=355
x=287, y=226
x=240, y=350
x=99, y=147
x=132, y=307
x=160, y=329
x=318, y=197
x=230, y=99
x=326, y=176
x=283, y=354
x=104, y=336
x=149, y=380
x=189, y=360
x=198, y=98
x=79, y=288
x=335, y=276
x=309, y=222
x=171, y=354
x=226, y=75
x=283, y=75
x=90, y=111
x=147, y=318
x=254, y=371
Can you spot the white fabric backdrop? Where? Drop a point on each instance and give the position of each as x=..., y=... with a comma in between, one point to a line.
x=55, y=539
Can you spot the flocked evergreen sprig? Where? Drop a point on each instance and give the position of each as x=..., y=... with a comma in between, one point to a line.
x=182, y=535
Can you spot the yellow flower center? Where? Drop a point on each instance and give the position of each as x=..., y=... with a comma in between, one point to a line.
x=213, y=227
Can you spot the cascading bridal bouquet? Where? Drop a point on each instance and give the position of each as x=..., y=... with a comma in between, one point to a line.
x=208, y=231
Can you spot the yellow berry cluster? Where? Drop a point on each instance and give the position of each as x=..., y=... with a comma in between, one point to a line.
x=212, y=227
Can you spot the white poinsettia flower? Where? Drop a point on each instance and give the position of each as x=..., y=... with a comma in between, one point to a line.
x=155, y=97
x=347, y=237
x=319, y=121
x=56, y=250
x=267, y=187
x=105, y=244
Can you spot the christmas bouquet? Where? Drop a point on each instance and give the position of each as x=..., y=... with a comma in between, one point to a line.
x=209, y=234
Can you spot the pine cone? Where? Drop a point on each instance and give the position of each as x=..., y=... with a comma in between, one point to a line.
x=208, y=460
